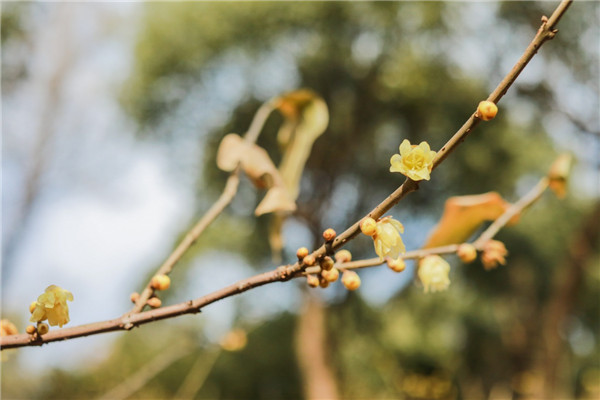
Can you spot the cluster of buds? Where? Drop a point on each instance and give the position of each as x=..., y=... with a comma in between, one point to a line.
x=328, y=272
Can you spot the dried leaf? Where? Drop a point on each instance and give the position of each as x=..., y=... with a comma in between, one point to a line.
x=559, y=174
x=463, y=215
x=306, y=118
x=276, y=199
x=257, y=165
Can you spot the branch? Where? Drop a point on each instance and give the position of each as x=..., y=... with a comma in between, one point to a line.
x=284, y=273
x=524, y=202
x=216, y=209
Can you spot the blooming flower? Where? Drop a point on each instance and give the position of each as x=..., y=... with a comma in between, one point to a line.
x=433, y=272
x=386, y=238
x=52, y=305
x=415, y=162
x=493, y=254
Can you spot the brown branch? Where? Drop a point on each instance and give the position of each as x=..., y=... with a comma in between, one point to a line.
x=285, y=273
x=523, y=203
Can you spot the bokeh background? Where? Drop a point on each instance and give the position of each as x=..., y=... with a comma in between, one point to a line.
x=111, y=115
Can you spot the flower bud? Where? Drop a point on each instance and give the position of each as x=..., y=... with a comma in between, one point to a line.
x=368, y=226
x=324, y=283
x=154, y=302
x=329, y=235
x=309, y=260
x=7, y=328
x=32, y=306
x=312, y=280
x=343, y=256
x=43, y=328
x=301, y=253
x=487, y=110
x=330, y=276
x=134, y=297
x=30, y=329
x=326, y=263
x=160, y=282
x=396, y=265
x=351, y=280
x=467, y=253
x=494, y=253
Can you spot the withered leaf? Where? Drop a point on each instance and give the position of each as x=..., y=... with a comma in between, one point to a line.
x=463, y=215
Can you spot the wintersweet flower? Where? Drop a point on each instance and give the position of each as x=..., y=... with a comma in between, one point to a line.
x=415, y=162
x=433, y=272
x=52, y=305
x=387, y=239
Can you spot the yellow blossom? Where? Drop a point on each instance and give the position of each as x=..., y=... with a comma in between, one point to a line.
x=415, y=162
x=387, y=240
x=52, y=305
x=433, y=272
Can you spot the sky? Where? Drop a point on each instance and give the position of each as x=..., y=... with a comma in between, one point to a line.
x=109, y=205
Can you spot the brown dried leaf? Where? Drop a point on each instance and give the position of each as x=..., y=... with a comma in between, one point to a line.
x=463, y=215
x=306, y=118
x=257, y=165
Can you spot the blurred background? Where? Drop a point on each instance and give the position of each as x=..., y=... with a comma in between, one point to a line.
x=111, y=116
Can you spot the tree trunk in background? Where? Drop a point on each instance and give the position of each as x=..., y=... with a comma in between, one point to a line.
x=311, y=342
x=567, y=284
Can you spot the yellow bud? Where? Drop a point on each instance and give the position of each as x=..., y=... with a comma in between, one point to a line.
x=368, y=226
x=32, y=306
x=301, y=253
x=467, y=253
x=396, y=265
x=351, y=280
x=309, y=260
x=329, y=235
x=343, y=256
x=160, y=282
x=487, y=110
x=7, y=328
x=326, y=263
x=134, y=297
x=323, y=282
x=43, y=328
x=154, y=302
x=330, y=276
x=312, y=280
x=30, y=329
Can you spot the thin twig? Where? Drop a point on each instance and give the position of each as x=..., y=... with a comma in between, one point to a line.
x=215, y=210
x=285, y=273
x=137, y=380
x=524, y=202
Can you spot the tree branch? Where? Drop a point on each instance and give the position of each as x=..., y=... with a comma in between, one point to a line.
x=216, y=209
x=284, y=273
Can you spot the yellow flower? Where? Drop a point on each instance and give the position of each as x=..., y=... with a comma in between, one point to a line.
x=413, y=161
x=433, y=272
x=387, y=240
x=52, y=305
